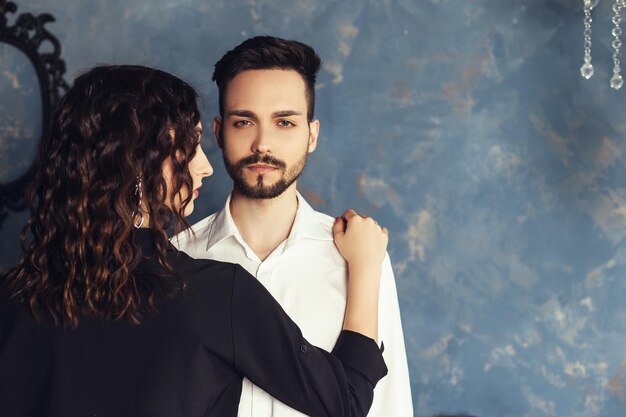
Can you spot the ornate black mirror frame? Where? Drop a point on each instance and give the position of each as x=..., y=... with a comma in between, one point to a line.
x=28, y=34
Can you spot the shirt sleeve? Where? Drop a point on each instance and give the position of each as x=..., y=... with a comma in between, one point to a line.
x=269, y=349
x=392, y=396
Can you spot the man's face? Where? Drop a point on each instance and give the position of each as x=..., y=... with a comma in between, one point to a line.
x=265, y=136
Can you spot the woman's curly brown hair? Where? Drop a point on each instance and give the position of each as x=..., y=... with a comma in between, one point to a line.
x=115, y=124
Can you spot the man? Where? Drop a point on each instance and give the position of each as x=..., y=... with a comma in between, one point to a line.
x=266, y=130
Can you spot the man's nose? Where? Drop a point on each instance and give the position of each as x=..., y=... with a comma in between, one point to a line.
x=261, y=143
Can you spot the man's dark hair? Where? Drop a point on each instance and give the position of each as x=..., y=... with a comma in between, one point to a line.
x=268, y=52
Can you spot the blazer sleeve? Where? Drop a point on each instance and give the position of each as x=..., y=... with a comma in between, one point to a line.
x=269, y=349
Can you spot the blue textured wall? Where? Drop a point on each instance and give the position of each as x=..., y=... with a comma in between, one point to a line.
x=465, y=127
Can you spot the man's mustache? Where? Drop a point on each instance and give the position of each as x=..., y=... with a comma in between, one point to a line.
x=265, y=159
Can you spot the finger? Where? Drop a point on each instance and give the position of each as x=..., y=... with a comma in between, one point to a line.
x=369, y=220
x=339, y=226
x=348, y=214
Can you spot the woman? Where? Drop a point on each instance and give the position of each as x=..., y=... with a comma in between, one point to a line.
x=103, y=317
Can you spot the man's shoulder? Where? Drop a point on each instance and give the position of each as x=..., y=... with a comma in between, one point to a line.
x=317, y=225
x=324, y=220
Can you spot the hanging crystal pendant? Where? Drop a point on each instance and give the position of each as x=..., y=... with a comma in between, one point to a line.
x=617, y=82
x=587, y=68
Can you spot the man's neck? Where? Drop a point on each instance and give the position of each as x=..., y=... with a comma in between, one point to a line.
x=264, y=224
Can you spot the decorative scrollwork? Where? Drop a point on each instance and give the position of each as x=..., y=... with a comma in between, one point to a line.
x=28, y=34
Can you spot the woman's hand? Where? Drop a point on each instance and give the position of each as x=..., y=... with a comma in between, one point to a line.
x=360, y=240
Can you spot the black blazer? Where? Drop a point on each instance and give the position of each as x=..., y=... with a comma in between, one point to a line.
x=186, y=360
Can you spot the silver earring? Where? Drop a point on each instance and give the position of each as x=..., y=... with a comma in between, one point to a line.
x=138, y=212
x=617, y=81
x=587, y=69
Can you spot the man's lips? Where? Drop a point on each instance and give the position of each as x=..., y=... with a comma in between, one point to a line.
x=261, y=168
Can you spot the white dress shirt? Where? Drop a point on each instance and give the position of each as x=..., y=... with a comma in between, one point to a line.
x=308, y=277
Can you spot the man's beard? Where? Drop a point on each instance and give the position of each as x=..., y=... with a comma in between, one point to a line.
x=260, y=190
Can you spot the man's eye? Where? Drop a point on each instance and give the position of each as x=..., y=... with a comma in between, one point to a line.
x=242, y=123
x=285, y=123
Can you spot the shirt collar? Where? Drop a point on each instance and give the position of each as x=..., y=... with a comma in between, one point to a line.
x=306, y=225
x=223, y=226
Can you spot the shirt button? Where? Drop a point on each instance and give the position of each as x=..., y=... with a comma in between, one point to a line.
x=303, y=348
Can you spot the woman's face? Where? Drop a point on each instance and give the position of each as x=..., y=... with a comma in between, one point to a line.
x=199, y=167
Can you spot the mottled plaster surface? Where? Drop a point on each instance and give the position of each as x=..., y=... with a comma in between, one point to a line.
x=465, y=128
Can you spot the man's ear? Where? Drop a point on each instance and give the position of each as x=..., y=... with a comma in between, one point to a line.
x=314, y=131
x=217, y=130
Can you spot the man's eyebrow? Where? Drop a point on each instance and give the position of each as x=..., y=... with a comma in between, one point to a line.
x=241, y=113
x=286, y=113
